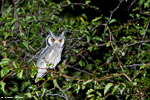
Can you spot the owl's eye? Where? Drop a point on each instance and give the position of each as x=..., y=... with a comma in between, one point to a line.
x=60, y=40
x=52, y=39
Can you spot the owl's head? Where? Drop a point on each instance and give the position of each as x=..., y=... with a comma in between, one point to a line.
x=55, y=40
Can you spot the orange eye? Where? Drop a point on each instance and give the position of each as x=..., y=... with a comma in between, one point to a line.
x=60, y=40
x=52, y=39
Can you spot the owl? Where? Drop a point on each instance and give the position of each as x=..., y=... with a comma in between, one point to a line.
x=51, y=54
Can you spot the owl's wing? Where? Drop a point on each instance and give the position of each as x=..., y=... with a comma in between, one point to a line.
x=41, y=61
x=44, y=53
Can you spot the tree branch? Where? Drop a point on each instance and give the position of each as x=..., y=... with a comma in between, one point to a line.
x=66, y=5
x=143, y=36
x=110, y=17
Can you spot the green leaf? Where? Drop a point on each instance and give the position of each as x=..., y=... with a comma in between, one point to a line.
x=142, y=67
x=73, y=60
x=23, y=9
x=20, y=74
x=88, y=38
x=108, y=44
x=121, y=91
x=112, y=21
x=84, y=16
x=43, y=91
x=135, y=83
x=25, y=85
x=68, y=1
x=55, y=83
x=89, y=91
x=97, y=38
x=88, y=1
x=43, y=1
x=142, y=31
x=84, y=84
x=91, y=95
x=81, y=63
x=26, y=44
x=127, y=96
x=33, y=87
x=98, y=93
x=76, y=51
x=90, y=48
x=123, y=53
x=115, y=88
x=107, y=87
x=4, y=71
x=59, y=7
x=3, y=86
x=28, y=95
x=5, y=61
x=96, y=19
x=28, y=18
x=14, y=64
x=36, y=98
x=34, y=17
x=6, y=35
x=61, y=70
x=124, y=86
x=49, y=64
x=77, y=88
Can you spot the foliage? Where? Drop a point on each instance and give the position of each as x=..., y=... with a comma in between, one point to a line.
x=104, y=57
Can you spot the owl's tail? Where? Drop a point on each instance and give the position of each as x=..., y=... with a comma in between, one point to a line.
x=40, y=73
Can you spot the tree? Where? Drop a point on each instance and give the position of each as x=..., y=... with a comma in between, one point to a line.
x=106, y=55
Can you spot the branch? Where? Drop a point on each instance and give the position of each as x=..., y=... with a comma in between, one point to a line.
x=143, y=36
x=15, y=10
x=16, y=17
x=2, y=3
x=111, y=14
x=66, y=5
x=134, y=65
x=56, y=95
x=110, y=17
x=137, y=43
x=7, y=76
x=83, y=71
x=131, y=4
x=63, y=91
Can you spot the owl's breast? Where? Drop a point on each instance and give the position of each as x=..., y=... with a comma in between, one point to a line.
x=53, y=58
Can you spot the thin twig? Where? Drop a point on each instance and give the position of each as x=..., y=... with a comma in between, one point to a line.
x=63, y=91
x=111, y=14
x=110, y=17
x=66, y=5
x=7, y=76
x=134, y=65
x=143, y=36
x=139, y=42
x=131, y=4
x=78, y=69
x=57, y=95
x=2, y=3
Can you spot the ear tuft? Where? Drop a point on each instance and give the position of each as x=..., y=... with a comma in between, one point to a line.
x=49, y=31
x=63, y=33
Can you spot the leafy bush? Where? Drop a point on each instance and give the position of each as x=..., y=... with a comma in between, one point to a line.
x=106, y=55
